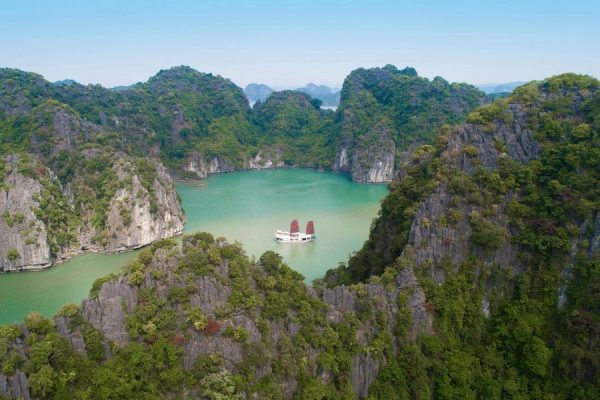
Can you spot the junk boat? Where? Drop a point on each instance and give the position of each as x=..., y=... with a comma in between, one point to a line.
x=294, y=235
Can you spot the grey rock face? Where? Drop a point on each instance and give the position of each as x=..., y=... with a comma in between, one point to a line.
x=211, y=294
x=339, y=297
x=373, y=159
x=146, y=225
x=422, y=321
x=65, y=132
x=516, y=137
x=197, y=164
x=75, y=338
x=20, y=230
x=364, y=372
x=107, y=312
x=342, y=162
x=136, y=218
x=431, y=238
x=365, y=367
x=15, y=386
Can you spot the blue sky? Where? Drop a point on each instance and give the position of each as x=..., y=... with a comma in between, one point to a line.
x=290, y=43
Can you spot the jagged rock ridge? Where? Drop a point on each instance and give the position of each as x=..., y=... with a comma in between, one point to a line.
x=209, y=314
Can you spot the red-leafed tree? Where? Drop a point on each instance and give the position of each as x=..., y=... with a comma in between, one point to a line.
x=212, y=327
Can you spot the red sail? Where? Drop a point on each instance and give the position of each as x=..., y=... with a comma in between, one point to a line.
x=295, y=227
x=310, y=228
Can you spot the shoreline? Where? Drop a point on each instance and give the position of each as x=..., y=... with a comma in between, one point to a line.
x=177, y=179
x=73, y=254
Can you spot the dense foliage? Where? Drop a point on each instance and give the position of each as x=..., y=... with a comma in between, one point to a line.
x=164, y=319
x=180, y=112
x=416, y=107
x=537, y=338
x=294, y=121
x=520, y=327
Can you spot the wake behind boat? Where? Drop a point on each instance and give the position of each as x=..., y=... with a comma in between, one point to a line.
x=294, y=235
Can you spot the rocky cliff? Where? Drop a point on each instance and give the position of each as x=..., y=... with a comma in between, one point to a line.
x=385, y=109
x=200, y=168
x=212, y=304
x=479, y=280
x=497, y=220
x=140, y=215
x=44, y=222
x=199, y=122
x=75, y=185
x=23, y=237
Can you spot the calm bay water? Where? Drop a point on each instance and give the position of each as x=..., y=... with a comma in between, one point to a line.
x=245, y=206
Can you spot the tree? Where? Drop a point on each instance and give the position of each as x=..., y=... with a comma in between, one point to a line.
x=219, y=386
x=12, y=254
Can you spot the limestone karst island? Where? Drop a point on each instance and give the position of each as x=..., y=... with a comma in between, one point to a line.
x=314, y=200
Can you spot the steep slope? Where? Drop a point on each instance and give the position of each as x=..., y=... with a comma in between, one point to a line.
x=500, y=223
x=202, y=321
x=385, y=110
x=293, y=122
x=69, y=185
x=479, y=280
x=168, y=115
x=199, y=123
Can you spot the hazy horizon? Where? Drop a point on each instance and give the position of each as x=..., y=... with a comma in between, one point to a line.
x=289, y=44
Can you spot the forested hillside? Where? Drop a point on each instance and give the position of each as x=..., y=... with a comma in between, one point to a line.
x=383, y=111
x=70, y=185
x=500, y=221
x=480, y=279
x=89, y=168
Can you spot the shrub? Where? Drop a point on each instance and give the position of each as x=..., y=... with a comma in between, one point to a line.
x=212, y=327
x=37, y=323
x=97, y=285
x=487, y=235
x=194, y=316
x=239, y=333
x=12, y=255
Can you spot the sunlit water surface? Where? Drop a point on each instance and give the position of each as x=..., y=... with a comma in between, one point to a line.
x=244, y=206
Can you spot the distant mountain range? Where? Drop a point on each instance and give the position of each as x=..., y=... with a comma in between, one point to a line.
x=329, y=97
x=507, y=87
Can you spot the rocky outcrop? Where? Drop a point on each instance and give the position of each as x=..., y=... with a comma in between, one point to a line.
x=342, y=161
x=108, y=310
x=373, y=157
x=15, y=386
x=138, y=215
x=365, y=367
x=112, y=311
x=59, y=129
x=516, y=138
x=384, y=111
x=431, y=238
x=74, y=337
x=148, y=216
x=23, y=237
x=197, y=165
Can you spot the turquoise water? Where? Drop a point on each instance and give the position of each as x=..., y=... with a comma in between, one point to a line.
x=246, y=206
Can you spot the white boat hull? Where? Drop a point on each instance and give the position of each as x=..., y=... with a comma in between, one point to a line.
x=286, y=237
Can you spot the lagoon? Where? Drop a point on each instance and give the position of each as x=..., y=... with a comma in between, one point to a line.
x=247, y=206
